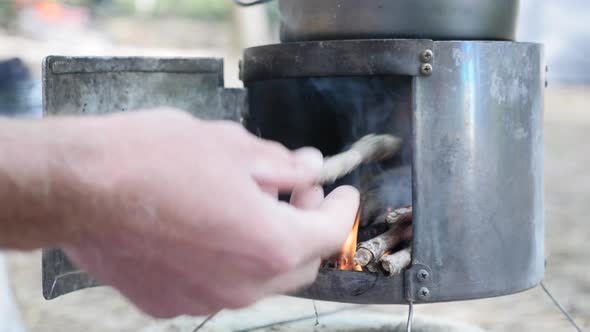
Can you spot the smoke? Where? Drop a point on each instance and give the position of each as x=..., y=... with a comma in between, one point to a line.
x=372, y=105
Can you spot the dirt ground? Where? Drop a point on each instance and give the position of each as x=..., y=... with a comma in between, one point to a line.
x=568, y=250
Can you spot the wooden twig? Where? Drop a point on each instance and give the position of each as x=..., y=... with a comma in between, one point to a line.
x=373, y=267
x=397, y=216
x=401, y=215
x=364, y=257
x=395, y=263
x=367, y=149
x=373, y=249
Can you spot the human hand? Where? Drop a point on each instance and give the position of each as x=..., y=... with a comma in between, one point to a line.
x=184, y=218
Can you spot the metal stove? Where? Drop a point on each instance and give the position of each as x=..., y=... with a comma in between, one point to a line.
x=445, y=76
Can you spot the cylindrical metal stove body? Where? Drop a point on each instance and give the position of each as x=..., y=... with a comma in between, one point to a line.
x=474, y=138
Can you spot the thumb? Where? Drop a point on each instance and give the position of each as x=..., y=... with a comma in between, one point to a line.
x=334, y=219
x=320, y=232
x=276, y=167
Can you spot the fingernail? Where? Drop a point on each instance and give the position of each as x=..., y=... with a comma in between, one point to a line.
x=311, y=160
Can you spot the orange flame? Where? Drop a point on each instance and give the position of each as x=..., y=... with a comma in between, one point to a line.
x=346, y=259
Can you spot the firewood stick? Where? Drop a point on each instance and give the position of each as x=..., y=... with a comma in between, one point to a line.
x=363, y=257
x=373, y=249
x=395, y=263
x=397, y=216
x=367, y=149
x=373, y=267
x=401, y=215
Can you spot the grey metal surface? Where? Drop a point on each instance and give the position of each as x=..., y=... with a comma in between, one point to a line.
x=103, y=85
x=376, y=57
x=478, y=171
x=90, y=86
x=61, y=276
x=306, y=20
x=355, y=287
x=477, y=155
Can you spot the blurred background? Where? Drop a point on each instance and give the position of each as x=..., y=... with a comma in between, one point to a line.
x=33, y=29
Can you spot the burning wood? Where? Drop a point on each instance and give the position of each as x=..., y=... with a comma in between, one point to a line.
x=374, y=249
x=367, y=149
x=381, y=253
x=383, y=233
x=346, y=258
x=395, y=263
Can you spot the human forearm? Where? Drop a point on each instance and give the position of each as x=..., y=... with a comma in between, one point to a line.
x=40, y=180
x=141, y=197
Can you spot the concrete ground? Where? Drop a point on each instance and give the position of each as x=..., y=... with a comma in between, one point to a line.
x=568, y=274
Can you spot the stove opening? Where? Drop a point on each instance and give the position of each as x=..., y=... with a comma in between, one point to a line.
x=334, y=114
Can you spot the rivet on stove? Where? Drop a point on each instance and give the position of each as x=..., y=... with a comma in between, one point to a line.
x=423, y=275
x=427, y=56
x=424, y=293
x=426, y=69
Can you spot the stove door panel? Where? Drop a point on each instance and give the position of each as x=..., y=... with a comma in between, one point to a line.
x=90, y=86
